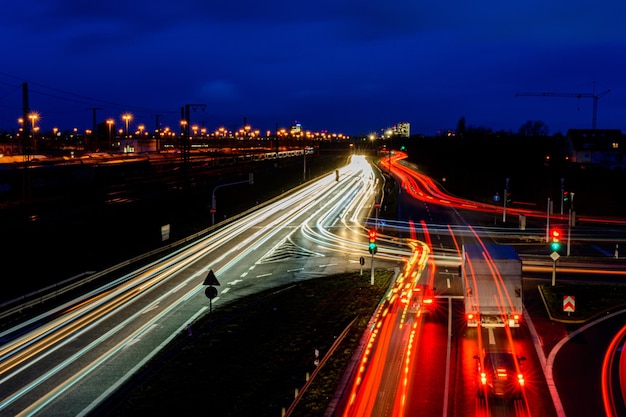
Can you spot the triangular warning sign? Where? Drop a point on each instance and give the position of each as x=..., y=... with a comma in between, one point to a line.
x=211, y=279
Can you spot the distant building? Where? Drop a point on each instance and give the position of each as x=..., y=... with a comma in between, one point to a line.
x=601, y=147
x=403, y=129
x=138, y=145
x=295, y=129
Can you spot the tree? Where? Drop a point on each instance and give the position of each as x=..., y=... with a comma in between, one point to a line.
x=460, y=127
x=536, y=128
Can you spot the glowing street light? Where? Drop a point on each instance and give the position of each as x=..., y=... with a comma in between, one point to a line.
x=110, y=123
x=33, y=119
x=127, y=117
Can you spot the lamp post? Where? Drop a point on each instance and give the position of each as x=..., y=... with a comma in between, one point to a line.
x=33, y=118
x=127, y=117
x=110, y=123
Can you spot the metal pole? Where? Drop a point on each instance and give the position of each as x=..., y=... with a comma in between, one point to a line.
x=372, y=276
x=569, y=230
x=213, y=207
x=214, y=204
x=506, y=189
x=548, y=222
x=562, y=192
x=554, y=273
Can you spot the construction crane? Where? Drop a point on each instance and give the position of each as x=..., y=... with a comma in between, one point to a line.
x=594, y=96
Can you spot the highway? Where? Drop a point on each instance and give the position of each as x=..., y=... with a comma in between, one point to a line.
x=564, y=377
x=418, y=357
x=430, y=360
x=68, y=360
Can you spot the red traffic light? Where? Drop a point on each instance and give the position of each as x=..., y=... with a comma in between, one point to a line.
x=372, y=236
x=556, y=240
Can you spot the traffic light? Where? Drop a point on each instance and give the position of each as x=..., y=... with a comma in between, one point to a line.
x=372, y=246
x=555, y=244
x=565, y=196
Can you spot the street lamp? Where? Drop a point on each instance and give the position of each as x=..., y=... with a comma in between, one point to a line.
x=33, y=118
x=110, y=123
x=127, y=117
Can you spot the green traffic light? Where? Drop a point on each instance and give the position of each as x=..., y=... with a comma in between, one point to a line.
x=555, y=246
x=372, y=248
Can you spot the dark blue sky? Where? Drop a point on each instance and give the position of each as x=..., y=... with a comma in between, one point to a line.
x=344, y=66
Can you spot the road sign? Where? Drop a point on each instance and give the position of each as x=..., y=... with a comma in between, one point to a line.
x=362, y=260
x=212, y=210
x=211, y=279
x=555, y=256
x=569, y=303
x=210, y=292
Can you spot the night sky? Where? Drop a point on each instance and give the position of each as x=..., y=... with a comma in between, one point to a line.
x=353, y=67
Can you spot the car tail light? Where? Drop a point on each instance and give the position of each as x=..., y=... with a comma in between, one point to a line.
x=428, y=300
x=483, y=378
x=516, y=317
x=470, y=316
x=520, y=379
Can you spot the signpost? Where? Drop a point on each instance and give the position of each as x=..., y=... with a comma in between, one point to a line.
x=210, y=291
x=569, y=304
x=496, y=198
x=555, y=257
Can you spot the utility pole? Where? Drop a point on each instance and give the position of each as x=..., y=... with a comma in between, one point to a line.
x=94, y=125
x=185, y=146
x=26, y=145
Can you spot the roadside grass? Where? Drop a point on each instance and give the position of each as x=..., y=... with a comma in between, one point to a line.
x=248, y=358
x=592, y=300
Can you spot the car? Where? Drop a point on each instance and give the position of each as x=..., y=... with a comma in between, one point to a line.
x=499, y=375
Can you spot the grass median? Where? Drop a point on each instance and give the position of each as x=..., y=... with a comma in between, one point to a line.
x=249, y=357
x=591, y=300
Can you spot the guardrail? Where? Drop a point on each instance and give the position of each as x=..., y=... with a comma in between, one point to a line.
x=51, y=292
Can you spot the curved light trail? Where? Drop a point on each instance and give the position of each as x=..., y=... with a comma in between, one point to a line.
x=49, y=362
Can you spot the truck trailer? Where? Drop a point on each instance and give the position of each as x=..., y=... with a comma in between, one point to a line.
x=492, y=283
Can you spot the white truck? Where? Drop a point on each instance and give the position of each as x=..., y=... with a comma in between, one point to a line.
x=492, y=284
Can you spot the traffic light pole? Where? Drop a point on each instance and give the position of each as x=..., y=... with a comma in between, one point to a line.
x=548, y=222
x=373, y=249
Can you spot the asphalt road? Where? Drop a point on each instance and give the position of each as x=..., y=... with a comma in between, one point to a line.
x=70, y=359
